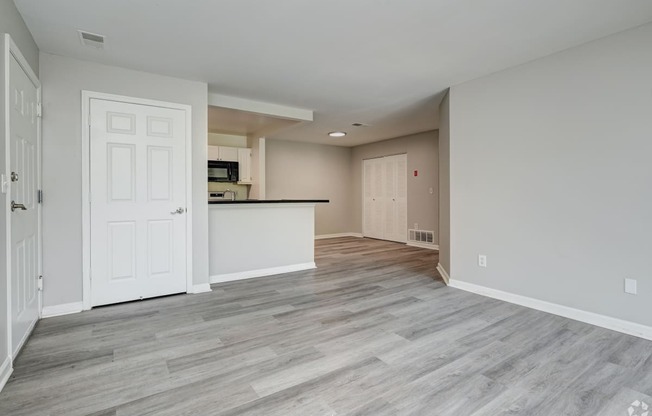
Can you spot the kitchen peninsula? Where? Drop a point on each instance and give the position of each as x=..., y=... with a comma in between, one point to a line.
x=253, y=238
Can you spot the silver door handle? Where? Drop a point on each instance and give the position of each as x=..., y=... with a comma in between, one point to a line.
x=178, y=211
x=15, y=206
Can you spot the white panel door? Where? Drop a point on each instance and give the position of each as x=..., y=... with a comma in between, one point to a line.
x=138, y=200
x=400, y=195
x=23, y=208
x=372, y=217
x=384, y=213
x=389, y=205
x=396, y=201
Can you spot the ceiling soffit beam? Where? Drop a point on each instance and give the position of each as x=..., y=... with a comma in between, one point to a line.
x=259, y=107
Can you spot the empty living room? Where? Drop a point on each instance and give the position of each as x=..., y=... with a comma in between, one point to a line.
x=285, y=207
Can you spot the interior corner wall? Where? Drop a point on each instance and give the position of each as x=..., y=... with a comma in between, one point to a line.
x=422, y=156
x=444, y=185
x=551, y=178
x=297, y=170
x=63, y=80
x=12, y=22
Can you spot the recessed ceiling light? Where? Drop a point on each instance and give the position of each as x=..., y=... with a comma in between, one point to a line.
x=337, y=134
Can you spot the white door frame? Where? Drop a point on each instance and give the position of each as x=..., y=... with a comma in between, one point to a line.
x=86, y=163
x=11, y=49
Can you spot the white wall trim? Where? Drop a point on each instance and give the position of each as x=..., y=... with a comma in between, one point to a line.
x=614, y=324
x=26, y=336
x=338, y=235
x=86, y=96
x=422, y=245
x=443, y=273
x=201, y=288
x=5, y=371
x=229, y=277
x=64, y=309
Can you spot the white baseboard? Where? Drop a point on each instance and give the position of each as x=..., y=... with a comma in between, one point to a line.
x=201, y=288
x=614, y=324
x=23, y=341
x=65, y=309
x=422, y=245
x=340, y=235
x=5, y=371
x=443, y=273
x=229, y=277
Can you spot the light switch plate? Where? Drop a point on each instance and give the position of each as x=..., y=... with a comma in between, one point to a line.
x=630, y=286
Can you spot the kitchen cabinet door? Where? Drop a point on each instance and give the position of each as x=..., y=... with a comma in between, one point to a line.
x=228, y=154
x=213, y=153
x=244, y=165
x=223, y=153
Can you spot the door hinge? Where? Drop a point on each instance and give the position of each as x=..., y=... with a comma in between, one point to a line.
x=39, y=196
x=40, y=283
x=39, y=109
x=4, y=184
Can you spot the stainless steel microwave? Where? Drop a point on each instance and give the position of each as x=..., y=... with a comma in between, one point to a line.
x=219, y=171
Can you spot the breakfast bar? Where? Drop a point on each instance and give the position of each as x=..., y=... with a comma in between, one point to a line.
x=254, y=238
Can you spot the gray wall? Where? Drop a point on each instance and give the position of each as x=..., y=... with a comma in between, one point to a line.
x=63, y=80
x=444, y=185
x=551, y=177
x=422, y=155
x=303, y=170
x=10, y=22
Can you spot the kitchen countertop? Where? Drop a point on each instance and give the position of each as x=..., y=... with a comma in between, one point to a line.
x=270, y=201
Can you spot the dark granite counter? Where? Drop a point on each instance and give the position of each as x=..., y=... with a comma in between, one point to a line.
x=271, y=201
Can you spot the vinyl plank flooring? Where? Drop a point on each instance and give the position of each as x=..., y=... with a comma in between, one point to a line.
x=371, y=331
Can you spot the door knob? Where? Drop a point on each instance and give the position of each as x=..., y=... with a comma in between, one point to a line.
x=15, y=206
x=14, y=177
x=178, y=211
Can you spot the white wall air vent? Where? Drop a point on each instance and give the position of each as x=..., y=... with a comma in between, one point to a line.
x=421, y=236
x=91, y=39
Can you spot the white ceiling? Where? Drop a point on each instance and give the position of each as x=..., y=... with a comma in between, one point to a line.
x=379, y=62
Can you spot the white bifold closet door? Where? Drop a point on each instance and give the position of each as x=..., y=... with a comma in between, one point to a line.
x=385, y=198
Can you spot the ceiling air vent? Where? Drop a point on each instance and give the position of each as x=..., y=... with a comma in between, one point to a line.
x=91, y=39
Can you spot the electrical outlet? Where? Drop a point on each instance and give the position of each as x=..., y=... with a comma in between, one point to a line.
x=482, y=260
x=630, y=286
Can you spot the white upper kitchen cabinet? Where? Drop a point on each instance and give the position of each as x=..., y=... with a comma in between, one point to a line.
x=244, y=165
x=223, y=153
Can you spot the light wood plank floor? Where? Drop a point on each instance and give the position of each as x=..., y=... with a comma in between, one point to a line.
x=372, y=331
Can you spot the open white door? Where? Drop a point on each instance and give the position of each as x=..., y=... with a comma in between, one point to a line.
x=138, y=201
x=23, y=149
